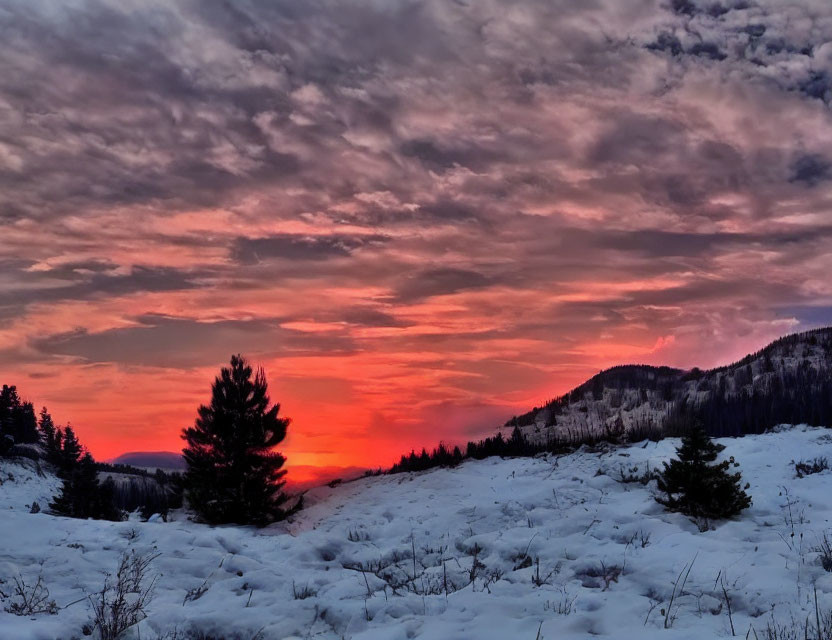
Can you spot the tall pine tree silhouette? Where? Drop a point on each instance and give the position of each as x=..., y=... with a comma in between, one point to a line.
x=698, y=487
x=17, y=418
x=70, y=451
x=48, y=435
x=233, y=475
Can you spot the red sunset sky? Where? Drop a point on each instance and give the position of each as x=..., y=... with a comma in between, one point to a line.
x=416, y=236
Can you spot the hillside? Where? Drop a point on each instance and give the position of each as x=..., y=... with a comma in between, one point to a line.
x=789, y=381
x=504, y=548
x=167, y=460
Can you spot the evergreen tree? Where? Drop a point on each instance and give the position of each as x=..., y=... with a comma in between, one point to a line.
x=517, y=442
x=55, y=457
x=17, y=418
x=698, y=487
x=48, y=435
x=70, y=452
x=233, y=475
x=26, y=424
x=9, y=402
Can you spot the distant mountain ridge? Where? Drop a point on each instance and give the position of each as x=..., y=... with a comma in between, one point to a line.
x=789, y=381
x=152, y=459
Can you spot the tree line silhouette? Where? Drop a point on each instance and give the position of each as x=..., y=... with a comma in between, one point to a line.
x=83, y=494
x=516, y=445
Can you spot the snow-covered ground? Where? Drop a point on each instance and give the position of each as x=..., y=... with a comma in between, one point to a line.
x=604, y=555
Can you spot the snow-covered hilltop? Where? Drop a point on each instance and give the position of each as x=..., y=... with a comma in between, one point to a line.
x=790, y=381
x=562, y=547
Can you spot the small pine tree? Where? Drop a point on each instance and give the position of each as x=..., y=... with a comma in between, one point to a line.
x=517, y=445
x=233, y=475
x=694, y=486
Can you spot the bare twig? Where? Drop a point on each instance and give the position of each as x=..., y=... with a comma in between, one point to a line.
x=669, y=618
x=727, y=604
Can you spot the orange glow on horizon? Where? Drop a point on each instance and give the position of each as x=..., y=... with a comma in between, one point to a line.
x=417, y=237
x=357, y=410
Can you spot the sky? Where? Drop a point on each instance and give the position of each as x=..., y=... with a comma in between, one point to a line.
x=420, y=217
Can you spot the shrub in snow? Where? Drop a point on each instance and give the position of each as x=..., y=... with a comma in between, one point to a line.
x=563, y=606
x=122, y=600
x=233, y=475
x=195, y=593
x=632, y=474
x=817, y=626
x=29, y=599
x=540, y=578
x=697, y=486
x=808, y=467
x=357, y=535
x=824, y=551
x=302, y=593
x=599, y=576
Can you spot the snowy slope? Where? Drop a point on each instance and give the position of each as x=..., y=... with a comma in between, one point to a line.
x=645, y=397
x=23, y=482
x=570, y=512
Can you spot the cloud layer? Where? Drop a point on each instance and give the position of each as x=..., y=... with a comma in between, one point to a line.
x=419, y=216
